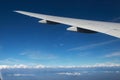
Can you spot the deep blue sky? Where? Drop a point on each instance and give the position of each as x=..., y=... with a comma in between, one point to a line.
x=24, y=41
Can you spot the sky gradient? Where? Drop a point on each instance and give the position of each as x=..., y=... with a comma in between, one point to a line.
x=25, y=41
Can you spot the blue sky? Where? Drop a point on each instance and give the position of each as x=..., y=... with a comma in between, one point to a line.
x=25, y=41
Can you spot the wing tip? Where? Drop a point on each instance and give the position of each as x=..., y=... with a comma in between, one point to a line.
x=16, y=11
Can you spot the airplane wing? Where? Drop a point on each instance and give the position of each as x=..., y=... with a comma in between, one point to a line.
x=79, y=25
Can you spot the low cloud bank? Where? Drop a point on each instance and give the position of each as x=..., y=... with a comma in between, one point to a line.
x=42, y=66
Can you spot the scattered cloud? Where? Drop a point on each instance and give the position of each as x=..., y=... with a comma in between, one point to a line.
x=114, y=54
x=90, y=46
x=37, y=55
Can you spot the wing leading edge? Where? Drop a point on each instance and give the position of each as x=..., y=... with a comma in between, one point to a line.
x=109, y=28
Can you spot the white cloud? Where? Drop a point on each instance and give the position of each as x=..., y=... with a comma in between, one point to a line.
x=114, y=54
x=90, y=46
x=13, y=66
x=21, y=66
x=108, y=64
x=4, y=66
x=70, y=73
x=39, y=66
x=37, y=55
x=17, y=75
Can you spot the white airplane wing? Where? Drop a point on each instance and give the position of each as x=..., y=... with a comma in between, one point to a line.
x=79, y=25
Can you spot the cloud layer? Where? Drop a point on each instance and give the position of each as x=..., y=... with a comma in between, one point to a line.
x=42, y=66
